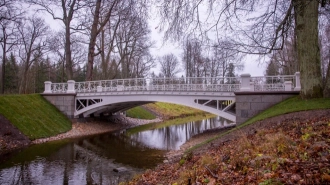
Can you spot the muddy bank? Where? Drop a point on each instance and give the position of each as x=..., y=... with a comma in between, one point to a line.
x=10, y=137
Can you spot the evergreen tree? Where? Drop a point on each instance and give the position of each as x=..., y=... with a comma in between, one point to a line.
x=230, y=74
x=80, y=74
x=272, y=69
x=11, y=75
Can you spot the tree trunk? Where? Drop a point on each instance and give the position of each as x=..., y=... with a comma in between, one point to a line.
x=3, y=67
x=326, y=91
x=92, y=41
x=68, y=59
x=306, y=20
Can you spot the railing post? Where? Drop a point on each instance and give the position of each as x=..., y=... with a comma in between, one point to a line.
x=99, y=87
x=252, y=86
x=71, y=86
x=287, y=86
x=245, y=82
x=48, y=85
x=298, y=86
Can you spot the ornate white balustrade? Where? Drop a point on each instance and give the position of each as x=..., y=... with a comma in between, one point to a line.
x=216, y=84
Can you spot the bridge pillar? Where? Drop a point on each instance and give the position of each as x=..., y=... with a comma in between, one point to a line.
x=287, y=86
x=298, y=86
x=64, y=102
x=245, y=84
x=71, y=86
x=249, y=104
x=48, y=85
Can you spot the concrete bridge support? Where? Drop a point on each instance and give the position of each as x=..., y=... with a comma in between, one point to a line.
x=63, y=102
x=249, y=104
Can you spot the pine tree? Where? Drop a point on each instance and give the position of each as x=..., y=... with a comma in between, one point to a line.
x=11, y=75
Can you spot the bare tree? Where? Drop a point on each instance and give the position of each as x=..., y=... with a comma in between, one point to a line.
x=267, y=32
x=10, y=14
x=106, y=46
x=227, y=57
x=169, y=65
x=132, y=42
x=97, y=27
x=192, y=58
x=65, y=11
x=325, y=47
x=286, y=58
x=33, y=32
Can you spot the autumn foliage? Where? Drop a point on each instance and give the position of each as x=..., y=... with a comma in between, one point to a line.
x=290, y=152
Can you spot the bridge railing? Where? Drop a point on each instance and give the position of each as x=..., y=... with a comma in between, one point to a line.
x=273, y=83
x=216, y=84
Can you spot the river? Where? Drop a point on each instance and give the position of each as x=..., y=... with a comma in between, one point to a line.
x=103, y=159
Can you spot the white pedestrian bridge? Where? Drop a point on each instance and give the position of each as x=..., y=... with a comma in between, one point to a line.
x=215, y=95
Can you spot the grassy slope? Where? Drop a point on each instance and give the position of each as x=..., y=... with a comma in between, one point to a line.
x=294, y=104
x=140, y=112
x=166, y=110
x=169, y=110
x=33, y=115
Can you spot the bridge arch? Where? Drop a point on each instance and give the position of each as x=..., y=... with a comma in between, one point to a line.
x=209, y=102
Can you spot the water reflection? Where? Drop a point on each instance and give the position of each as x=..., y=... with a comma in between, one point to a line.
x=103, y=159
x=72, y=164
x=171, y=138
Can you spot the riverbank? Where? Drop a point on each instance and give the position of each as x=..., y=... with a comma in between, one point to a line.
x=291, y=148
x=94, y=127
x=12, y=139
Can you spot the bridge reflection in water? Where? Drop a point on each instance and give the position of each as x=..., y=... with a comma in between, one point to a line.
x=171, y=138
x=103, y=159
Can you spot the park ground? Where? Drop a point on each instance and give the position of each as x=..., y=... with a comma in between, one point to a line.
x=288, y=149
x=287, y=144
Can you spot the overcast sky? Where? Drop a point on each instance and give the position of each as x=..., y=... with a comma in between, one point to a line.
x=252, y=65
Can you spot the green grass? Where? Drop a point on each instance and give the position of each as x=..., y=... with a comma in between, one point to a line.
x=165, y=110
x=140, y=112
x=34, y=116
x=294, y=104
x=169, y=110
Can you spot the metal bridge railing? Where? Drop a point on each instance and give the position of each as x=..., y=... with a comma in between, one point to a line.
x=272, y=83
x=207, y=84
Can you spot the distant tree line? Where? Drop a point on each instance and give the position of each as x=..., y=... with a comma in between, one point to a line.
x=102, y=39
x=96, y=39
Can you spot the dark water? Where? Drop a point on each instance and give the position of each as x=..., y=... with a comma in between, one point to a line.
x=104, y=159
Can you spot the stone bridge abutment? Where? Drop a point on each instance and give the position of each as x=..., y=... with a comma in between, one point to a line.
x=249, y=104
